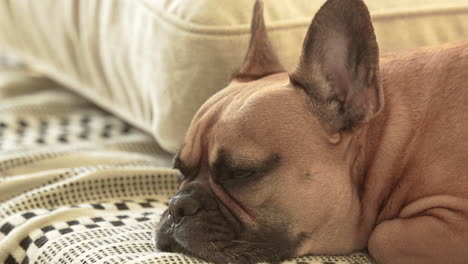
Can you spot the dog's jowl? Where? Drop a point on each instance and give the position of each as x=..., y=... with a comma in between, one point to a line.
x=350, y=151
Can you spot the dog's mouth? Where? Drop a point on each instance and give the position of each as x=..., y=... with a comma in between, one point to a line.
x=214, y=227
x=222, y=235
x=193, y=236
x=209, y=236
x=220, y=244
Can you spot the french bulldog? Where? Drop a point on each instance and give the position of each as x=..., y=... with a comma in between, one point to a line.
x=281, y=164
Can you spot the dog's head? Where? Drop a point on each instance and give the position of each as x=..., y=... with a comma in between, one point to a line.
x=268, y=166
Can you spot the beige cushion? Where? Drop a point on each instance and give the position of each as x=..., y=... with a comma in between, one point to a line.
x=154, y=62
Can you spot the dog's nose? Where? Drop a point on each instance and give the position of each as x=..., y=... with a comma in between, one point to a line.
x=183, y=205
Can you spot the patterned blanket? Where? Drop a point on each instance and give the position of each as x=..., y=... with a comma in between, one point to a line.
x=78, y=185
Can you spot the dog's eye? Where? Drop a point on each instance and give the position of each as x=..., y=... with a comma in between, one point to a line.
x=241, y=174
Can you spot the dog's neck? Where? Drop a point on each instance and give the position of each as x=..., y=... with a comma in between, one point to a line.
x=385, y=142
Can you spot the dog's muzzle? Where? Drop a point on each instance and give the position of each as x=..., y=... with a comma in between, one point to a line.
x=193, y=221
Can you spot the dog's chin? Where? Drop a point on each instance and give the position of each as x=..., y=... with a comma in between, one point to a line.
x=212, y=238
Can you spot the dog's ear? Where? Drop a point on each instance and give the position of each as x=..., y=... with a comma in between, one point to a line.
x=339, y=65
x=260, y=60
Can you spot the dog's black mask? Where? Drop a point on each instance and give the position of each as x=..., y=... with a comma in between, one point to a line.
x=198, y=224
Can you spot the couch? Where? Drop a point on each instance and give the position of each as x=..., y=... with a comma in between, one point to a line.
x=88, y=127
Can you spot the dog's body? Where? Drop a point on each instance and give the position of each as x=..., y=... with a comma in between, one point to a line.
x=279, y=165
x=416, y=187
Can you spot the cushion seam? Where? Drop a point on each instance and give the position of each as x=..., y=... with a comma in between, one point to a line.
x=291, y=23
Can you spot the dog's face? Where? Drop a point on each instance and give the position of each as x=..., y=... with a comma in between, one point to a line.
x=267, y=168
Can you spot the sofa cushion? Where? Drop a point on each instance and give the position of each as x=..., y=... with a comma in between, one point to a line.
x=154, y=62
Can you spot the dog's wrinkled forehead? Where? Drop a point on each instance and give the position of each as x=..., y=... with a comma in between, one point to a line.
x=247, y=117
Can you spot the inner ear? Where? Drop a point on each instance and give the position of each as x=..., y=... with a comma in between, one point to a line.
x=260, y=60
x=339, y=65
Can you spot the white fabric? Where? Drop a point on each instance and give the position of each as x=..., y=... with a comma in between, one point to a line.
x=154, y=62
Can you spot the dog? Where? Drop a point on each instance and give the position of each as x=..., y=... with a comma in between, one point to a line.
x=348, y=152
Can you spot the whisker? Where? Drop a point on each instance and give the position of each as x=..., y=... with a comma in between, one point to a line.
x=313, y=239
x=253, y=243
x=213, y=244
